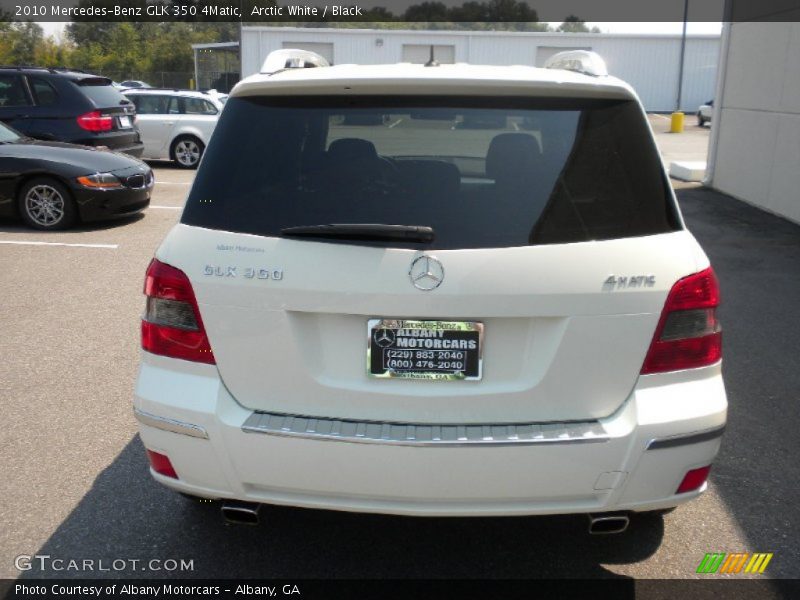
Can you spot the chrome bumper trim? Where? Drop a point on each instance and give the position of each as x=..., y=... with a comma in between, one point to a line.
x=685, y=439
x=172, y=425
x=418, y=434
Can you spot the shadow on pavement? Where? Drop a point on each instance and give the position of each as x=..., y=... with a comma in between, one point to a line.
x=127, y=515
x=756, y=256
x=9, y=225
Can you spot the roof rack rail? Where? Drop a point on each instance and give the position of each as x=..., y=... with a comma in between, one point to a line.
x=73, y=69
x=20, y=67
x=579, y=61
x=292, y=58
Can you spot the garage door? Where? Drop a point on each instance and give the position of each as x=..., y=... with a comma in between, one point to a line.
x=421, y=53
x=324, y=50
x=545, y=52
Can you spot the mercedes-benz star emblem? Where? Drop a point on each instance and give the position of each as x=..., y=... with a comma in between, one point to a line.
x=384, y=337
x=426, y=273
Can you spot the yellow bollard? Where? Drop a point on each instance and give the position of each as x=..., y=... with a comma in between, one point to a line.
x=676, y=124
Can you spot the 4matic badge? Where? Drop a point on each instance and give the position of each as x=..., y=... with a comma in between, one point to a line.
x=246, y=272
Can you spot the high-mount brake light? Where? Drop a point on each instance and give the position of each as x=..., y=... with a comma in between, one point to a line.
x=688, y=334
x=172, y=325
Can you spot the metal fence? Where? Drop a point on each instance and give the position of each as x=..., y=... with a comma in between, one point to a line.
x=164, y=79
x=222, y=81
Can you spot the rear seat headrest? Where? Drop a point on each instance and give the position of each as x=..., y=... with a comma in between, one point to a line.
x=347, y=149
x=512, y=155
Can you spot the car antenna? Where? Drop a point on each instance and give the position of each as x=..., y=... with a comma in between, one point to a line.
x=432, y=62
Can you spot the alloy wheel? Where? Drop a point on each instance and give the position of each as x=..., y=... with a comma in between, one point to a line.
x=187, y=152
x=44, y=205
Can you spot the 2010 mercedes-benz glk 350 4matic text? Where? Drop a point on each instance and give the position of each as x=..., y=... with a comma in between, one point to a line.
x=432, y=290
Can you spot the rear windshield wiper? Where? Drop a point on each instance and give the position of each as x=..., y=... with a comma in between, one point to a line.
x=363, y=231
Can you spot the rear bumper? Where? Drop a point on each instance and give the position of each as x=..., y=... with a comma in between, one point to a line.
x=669, y=425
x=131, y=148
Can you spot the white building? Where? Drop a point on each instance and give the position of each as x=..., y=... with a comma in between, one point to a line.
x=648, y=62
x=754, y=152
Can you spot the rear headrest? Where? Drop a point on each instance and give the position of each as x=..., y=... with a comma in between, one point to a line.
x=352, y=149
x=511, y=156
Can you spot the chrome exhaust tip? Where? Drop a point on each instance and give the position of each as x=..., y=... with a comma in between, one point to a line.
x=607, y=523
x=238, y=512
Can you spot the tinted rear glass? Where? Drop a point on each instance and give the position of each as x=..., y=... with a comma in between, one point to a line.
x=482, y=173
x=101, y=92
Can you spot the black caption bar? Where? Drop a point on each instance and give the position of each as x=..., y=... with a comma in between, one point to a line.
x=620, y=589
x=275, y=12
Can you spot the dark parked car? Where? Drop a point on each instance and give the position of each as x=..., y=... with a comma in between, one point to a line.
x=68, y=106
x=52, y=184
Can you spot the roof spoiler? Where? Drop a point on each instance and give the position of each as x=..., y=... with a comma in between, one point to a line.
x=292, y=58
x=579, y=61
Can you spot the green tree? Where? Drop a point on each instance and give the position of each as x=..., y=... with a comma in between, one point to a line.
x=573, y=24
x=19, y=41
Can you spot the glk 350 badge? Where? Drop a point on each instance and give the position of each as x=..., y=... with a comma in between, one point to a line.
x=246, y=272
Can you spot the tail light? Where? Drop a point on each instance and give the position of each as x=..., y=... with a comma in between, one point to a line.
x=172, y=325
x=688, y=334
x=693, y=480
x=96, y=121
x=161, y=464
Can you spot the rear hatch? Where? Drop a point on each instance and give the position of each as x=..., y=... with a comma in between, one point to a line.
x=538, y=249
x=109, y=102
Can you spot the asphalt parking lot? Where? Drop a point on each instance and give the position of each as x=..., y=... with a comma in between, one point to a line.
x=75, y=481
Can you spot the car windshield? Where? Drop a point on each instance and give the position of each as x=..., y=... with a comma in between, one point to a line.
x=8, y=135
x=481, y=172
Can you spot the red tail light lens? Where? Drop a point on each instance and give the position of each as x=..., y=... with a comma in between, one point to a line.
x=694, y=480
x=688, y=334
x=161, y=464
x=172, y=325
x=96, y=121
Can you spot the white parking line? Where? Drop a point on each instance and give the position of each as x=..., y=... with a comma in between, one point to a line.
x=173, y=182
x=27, y=243
x=166, y=207
x=395, y=124
x=665, y=117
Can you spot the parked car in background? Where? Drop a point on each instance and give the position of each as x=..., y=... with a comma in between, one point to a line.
x=68, y=106
x=222, y=97
x=134, y=83
x=52, y=185
x=175, y=124
x=704, y=113
x=414, y=318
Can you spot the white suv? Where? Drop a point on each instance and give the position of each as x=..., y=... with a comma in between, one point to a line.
x=175, y=124
x=447, y=290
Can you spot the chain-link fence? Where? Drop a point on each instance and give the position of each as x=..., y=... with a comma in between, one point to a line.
x=160, y=79
x=222, y=81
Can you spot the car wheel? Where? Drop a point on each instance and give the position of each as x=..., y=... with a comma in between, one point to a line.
x=187, y=152
x=46, y=204
x=700, y=121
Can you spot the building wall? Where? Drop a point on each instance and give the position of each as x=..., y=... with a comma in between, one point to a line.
x=649, y=63
x=757, y=154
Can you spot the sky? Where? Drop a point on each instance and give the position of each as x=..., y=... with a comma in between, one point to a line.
x=611, y=27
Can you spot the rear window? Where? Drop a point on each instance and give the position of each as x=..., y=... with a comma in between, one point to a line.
x=483, y=172
x=100, y=91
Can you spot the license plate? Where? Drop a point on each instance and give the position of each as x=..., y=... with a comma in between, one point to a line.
x=124, y=122
x=434, y=350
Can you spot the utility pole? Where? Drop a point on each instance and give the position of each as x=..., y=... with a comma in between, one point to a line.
x=683, y=54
